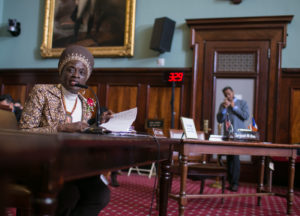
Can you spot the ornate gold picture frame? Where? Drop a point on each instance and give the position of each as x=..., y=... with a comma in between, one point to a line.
x=105, y=27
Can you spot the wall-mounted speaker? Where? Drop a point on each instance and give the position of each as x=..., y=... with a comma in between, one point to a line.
x=162, y=34
x=14, y=27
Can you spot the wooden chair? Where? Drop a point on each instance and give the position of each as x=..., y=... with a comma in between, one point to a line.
x=18, y=195
x=8, y=120
x=5, y=107
x=198, y=166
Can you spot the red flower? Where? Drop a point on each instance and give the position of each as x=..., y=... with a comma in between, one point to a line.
x=90, y=104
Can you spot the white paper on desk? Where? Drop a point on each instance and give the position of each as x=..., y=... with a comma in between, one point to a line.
x=121, y=121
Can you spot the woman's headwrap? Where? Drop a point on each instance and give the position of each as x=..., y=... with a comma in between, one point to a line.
x=76, y=52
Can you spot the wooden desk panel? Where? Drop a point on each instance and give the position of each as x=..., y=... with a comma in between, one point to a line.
x=94, y=153
x=45, y=162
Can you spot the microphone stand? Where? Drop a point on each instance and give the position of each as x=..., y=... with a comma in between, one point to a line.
x=95, y=128
x=172, y=104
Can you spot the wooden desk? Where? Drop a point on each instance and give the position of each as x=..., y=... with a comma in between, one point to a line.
x=224, y=148
x=45, y=162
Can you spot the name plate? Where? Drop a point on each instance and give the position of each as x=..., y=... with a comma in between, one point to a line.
x=244, y=135
x=154, y=123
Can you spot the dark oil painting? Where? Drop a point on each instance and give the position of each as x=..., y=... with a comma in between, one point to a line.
x=90, y=23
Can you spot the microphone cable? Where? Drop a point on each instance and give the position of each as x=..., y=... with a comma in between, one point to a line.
x=156, y=165
x=156, y=177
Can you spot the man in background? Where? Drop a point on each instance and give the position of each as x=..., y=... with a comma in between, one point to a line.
x=7, y=101
x=233, y=113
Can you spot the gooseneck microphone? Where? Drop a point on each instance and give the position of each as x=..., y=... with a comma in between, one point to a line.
x=97, y=128
x=98, y=113
x=81, y=86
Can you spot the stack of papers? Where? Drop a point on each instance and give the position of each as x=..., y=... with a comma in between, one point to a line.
x=122, y=121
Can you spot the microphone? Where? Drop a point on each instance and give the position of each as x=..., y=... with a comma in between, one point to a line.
x=81, y=86
x=96, y=128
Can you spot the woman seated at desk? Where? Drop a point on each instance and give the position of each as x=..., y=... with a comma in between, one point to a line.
x=53, y=108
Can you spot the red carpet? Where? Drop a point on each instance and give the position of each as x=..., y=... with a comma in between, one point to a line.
x=134, y=195
x=133, y=198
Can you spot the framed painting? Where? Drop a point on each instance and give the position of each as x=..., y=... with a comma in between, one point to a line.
x=105, y=27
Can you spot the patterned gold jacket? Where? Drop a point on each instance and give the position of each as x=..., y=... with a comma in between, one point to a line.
x=44, y=110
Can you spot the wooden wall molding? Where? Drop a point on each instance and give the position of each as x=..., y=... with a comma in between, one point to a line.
x=121, y=88
x=290, y=72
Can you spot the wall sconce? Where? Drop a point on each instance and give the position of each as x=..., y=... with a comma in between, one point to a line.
x=14, y=27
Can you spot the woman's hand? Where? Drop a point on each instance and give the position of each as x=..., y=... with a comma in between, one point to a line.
x=72, y=127
x=105, y=116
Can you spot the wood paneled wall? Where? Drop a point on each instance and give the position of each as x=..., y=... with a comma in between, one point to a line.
x=288, y=106
x=295, y=116
x=118, y=89
x=147, y=88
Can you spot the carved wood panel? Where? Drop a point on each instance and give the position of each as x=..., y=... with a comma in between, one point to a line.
x=287, y=126
x=295, y=116
x=121, y=98
x=160, y=106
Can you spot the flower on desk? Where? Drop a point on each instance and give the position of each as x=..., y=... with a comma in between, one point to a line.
x=90, y=104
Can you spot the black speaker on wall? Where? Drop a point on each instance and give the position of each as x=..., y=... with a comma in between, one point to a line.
x=162, y=34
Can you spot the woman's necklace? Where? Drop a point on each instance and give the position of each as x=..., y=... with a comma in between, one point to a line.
x=68, y=114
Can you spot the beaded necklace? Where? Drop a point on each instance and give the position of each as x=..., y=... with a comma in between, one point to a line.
x=68, y=114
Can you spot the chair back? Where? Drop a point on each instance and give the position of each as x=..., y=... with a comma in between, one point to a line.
x=8, y=120
x=5, y=107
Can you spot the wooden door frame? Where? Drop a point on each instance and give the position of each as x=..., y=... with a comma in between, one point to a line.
x=259, y=76
x=271, y=28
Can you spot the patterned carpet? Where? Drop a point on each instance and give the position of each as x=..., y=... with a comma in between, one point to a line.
x=134, y=196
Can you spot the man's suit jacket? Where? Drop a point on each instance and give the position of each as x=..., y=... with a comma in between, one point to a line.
x=44, y=110
x=237, y=115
